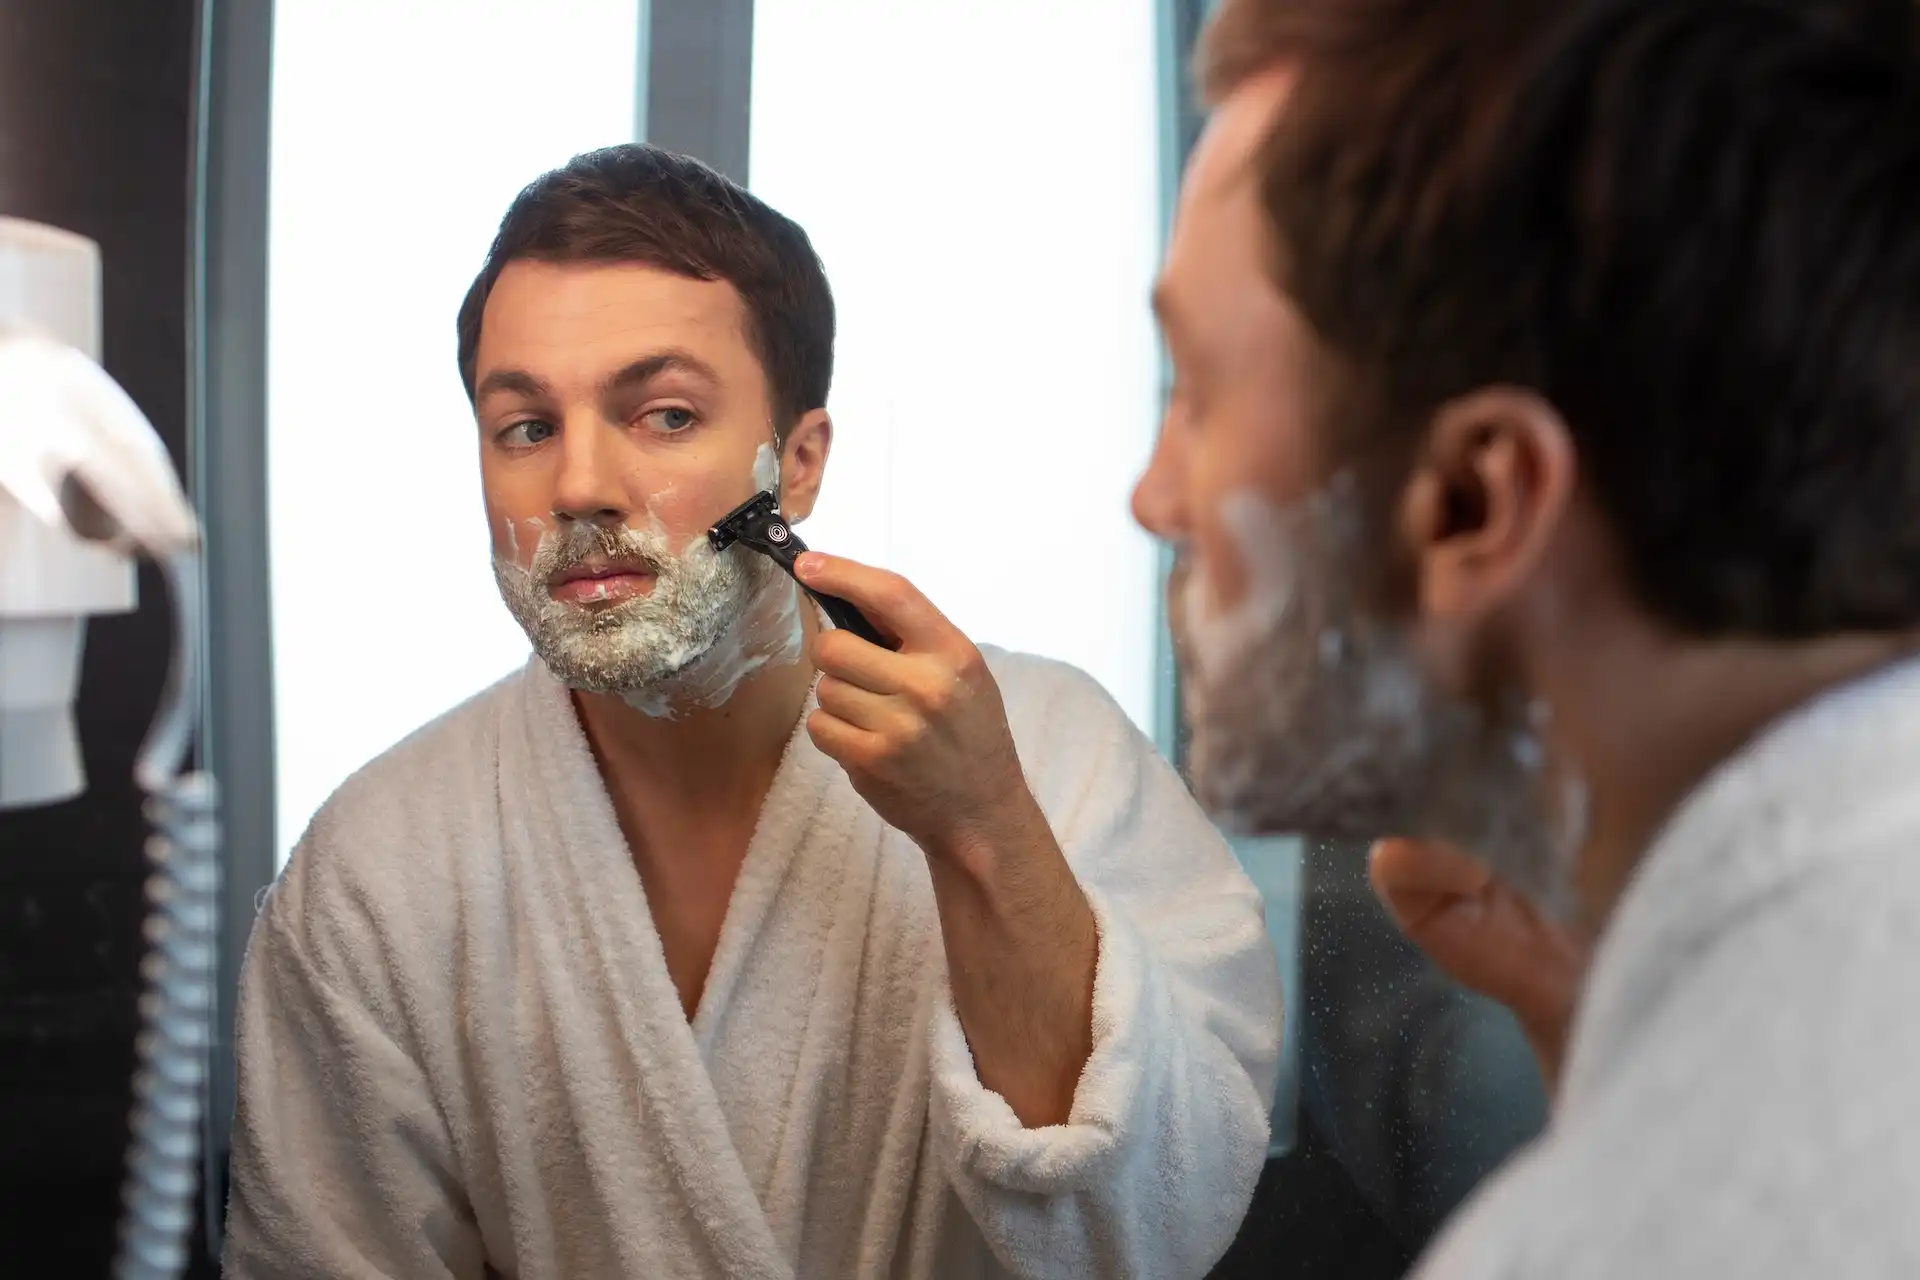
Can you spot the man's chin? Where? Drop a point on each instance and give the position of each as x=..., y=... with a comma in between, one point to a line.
x=1294, y=783
x=1258, y=814
x=1241, y=802
x=1499, y=820
x=624, y=677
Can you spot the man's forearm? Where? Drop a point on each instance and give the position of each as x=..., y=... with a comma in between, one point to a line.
x=1021, y=950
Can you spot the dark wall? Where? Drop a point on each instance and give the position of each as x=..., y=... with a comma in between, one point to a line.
x=95, y=136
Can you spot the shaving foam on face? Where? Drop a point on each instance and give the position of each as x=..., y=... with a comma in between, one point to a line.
x=708, y=623
x=711, y=620
x=766, y=468
x=1311, y=715
x=766, y=633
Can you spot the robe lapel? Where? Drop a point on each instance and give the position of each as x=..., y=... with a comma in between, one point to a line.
x=564, y=838
x=776, y=1018
x=789, y=821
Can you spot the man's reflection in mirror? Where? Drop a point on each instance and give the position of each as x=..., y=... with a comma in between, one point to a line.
x=715, y=942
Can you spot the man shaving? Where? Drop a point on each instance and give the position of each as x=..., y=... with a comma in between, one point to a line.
x=1545, y=463
x=714, y=943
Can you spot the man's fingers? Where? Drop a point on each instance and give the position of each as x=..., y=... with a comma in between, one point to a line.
x=1406, y=868
x=1475, y=927
x=864, y=709
x=1507, y=955
x=889, y=600
x=847, y=743
x=848, y=657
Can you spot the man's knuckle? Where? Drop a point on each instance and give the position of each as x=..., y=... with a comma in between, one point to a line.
x=894, y=590
x=934, y=695
x=970, y=665
x=831, y=648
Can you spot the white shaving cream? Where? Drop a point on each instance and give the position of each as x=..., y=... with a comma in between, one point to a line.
x=710, y=621
x=1309, y=715
x=766, y=468
x=767, y=631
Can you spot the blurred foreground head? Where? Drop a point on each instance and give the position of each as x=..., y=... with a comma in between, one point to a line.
x=1511, y=337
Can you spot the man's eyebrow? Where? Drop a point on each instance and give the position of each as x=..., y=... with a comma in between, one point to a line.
x=647, y=368
x=518, y=381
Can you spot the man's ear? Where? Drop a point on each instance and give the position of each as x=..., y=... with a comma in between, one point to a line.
x=1486, y=496
x=803, y=463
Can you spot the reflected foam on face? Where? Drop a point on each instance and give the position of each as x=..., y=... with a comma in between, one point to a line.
x=766, y=468
x=709, y=622
x=1309, y=716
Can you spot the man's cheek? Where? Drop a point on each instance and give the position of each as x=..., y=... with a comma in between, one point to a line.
x=1216, y=580
x=683, y=511
x=515, y=539
x=1245, y=579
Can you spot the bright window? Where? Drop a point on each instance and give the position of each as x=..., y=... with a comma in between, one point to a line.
x=991, y=252
x=401, y=132
x=981, y=179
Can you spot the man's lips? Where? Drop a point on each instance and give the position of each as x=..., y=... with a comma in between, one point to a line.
x=600, y=584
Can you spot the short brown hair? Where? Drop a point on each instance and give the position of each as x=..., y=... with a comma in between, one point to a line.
x=1688, y=224
x=1243, y=38
x=637, y=203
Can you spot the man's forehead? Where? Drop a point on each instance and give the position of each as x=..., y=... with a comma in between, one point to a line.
x=588, y=289
x=541, y=311
x=1223, y=157
x=1215, y=194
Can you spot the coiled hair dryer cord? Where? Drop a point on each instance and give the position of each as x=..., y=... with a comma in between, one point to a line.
x=177, y=1007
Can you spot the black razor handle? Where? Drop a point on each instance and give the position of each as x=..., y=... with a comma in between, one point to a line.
x=761, y=527
x=847, y=618
x=784, y=545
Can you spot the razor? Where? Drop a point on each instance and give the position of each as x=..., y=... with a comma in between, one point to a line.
x=758, y=524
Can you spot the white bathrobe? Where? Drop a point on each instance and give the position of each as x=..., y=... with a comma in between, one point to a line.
x=1742, y=1091
x=461, y=1054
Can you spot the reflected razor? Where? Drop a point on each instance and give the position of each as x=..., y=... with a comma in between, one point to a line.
x=758, y=524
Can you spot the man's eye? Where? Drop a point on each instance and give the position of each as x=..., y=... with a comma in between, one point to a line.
x=670, y=420
x=524, y=435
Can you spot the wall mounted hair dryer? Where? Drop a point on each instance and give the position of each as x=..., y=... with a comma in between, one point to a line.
x=85, y=486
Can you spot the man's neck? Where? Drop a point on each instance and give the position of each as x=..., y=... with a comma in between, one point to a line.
x=712, y=760
x=687, y=791
x=1648, y=717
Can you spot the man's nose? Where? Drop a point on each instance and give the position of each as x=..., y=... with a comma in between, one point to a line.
x=1157, y=495
x=589, y=486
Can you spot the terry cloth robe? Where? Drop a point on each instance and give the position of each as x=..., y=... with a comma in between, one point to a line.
x=1742, y=1092
x=460, y=1052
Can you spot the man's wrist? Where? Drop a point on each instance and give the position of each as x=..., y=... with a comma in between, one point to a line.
x=979, y=845
x=1022, y=947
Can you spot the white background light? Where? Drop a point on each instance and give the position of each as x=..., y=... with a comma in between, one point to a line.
x=401, y=132
x=981, y=179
